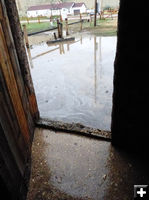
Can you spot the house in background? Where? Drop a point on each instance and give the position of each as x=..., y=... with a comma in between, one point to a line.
x=67, y=8
x=79, y=8
x=62, y=8
x=41, y=10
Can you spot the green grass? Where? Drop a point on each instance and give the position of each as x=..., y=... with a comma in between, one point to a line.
x=32, y=18
x=104, y=27
x=34, y=27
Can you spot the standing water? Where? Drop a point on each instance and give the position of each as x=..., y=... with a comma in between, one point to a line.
x=74, y=81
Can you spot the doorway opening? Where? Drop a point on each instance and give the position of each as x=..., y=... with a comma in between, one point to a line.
x=73, y=79
x=75, y=166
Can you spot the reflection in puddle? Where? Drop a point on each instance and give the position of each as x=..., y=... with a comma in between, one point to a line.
x=74, y=81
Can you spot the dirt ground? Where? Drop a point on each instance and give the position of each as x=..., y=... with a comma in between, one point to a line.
x=107, y=28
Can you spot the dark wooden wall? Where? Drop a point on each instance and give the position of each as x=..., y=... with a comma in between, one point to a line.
x=131, y=83
x=18, y=107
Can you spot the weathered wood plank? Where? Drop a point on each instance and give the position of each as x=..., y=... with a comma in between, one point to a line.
x=17, y=73
x=11, y=127
x=42, y=31
x=61, y=40
x=21, y=54
x=12, y=87
x=75, y=128
x=18, y=106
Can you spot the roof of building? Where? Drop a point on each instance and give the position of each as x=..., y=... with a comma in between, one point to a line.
x=65, y=5
x=40, y=7
x=78, y=4
x=56, y=6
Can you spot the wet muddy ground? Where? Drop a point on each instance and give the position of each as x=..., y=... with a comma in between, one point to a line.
x=107, y=27
x=70, y=167
x=74, y=81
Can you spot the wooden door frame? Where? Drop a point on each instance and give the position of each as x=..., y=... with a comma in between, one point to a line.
x=18, y=105
x=15, y=40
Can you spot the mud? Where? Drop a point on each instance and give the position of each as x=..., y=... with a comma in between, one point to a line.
x=74, y=82
x=40, y=38
x=75, y=128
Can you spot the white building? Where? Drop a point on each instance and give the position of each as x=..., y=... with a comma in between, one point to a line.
x=67, y=8
x=42, y=10
x=79, y=8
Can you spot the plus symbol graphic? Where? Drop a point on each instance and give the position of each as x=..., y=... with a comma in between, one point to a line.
x=141, y=192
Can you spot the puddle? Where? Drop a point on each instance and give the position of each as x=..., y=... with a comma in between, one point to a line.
x=74, y=81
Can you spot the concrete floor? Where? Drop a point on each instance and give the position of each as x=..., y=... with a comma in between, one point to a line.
x=74, y=81
x=70, y=167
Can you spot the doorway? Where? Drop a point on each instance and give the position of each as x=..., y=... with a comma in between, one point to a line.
x=73, y=79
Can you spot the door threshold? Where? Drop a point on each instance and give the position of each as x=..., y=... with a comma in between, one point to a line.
x=74, y=128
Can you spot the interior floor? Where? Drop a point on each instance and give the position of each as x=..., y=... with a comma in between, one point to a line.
x=72, y=167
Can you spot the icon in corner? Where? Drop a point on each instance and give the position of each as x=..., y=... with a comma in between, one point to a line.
x=141, y=192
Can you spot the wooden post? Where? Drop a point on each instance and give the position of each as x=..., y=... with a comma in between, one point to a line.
x=27, y=19
x=38, y=19
x=51, y=22
x=101, y=9
x=100, y=15
x=61, y=30
x=95, y=13
x=58, y=28
x=67, y=32
x=55, y=36
x=61, y=19
x=80, y=17
x=27, y=45
x=81, y=22
x=25, y=36
x=90, y=20
x=111, y=12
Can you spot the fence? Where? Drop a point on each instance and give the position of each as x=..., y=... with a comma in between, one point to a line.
x=59, y=27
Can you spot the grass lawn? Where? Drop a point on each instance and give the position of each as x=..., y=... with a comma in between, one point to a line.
x=34, y=27
x=105, y=27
